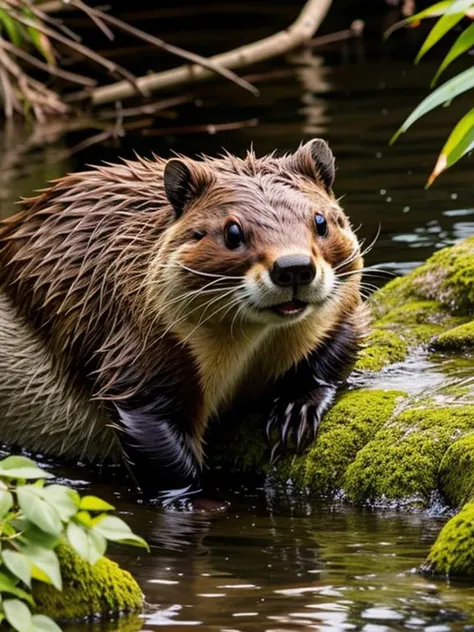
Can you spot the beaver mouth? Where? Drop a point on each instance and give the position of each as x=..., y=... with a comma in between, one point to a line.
x=291, y=308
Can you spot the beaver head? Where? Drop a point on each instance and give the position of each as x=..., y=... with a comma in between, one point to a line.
x=261, y=240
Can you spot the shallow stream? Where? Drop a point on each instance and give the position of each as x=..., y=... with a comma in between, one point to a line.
x=282, y=563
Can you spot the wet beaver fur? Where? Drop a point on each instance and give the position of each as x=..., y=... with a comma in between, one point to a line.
x=140, y=300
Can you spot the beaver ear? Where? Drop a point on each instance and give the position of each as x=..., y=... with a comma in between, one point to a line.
x=184, y=181
x=315, y=160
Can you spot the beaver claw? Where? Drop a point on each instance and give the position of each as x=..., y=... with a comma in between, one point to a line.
x=297, y=420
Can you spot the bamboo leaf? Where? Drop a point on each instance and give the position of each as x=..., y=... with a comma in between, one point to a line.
x=463, y=43
x=448, y=91
x=459, y=143
x=446, y=22
x=11, y=27
x=431, y=12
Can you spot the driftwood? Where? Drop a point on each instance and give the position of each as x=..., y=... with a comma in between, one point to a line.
x=278, y=44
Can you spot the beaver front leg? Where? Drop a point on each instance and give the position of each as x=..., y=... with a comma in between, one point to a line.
x=305, y=392
x=157, y=451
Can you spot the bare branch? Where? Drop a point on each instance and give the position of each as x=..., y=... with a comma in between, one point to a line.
x=80, y=48
x=52, y=70
x=275, y=45
x=169, y=48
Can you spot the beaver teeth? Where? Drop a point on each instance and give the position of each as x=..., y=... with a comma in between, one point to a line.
x=289, y=309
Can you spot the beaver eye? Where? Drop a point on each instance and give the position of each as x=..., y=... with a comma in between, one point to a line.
x=321, y=225
x=234, y=235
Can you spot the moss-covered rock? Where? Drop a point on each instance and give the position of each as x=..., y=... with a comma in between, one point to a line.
x=406, y=431
x=456, y=339
x=453, y=552
x=402, y=460
x=88, y=591
x=456, y=472
x=344, y=431
x=382, y=348
x=447, y=277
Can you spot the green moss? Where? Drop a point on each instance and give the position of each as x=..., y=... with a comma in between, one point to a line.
x=447, y=277
x=458, y=338
x=344, y=431
x=456, y=472
x=416, y=322
x=88, y=591
x=383, y=348
x=402, y=460
x=453, y=552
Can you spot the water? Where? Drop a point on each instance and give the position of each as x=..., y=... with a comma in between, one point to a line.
x=281, y=563
x=275, y=563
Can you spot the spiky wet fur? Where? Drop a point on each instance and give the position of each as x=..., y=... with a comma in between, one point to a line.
x=80, y=327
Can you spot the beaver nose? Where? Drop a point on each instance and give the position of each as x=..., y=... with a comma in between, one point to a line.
x=293, y=270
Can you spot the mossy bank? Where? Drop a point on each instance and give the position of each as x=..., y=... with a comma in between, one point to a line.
x=103, y=590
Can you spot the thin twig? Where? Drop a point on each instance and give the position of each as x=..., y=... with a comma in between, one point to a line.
x=278, y=44
x=194, y=129
x=175, y=50
x=148, y=108
x=80, y=48
x=52, y=70
x=355, y=30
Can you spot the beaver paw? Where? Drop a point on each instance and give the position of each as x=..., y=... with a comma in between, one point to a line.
x=298, y=420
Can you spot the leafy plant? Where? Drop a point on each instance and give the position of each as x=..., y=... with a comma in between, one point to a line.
x=34, y=519
x=461, y=140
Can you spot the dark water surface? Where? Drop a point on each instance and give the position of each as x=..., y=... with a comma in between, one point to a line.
x=270, y=565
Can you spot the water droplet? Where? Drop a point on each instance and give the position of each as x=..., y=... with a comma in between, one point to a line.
x=389, y=199
x=383, y=191
x=378, y=154
x=406, y=209
x=454, y=196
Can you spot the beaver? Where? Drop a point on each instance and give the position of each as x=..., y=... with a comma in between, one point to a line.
x=139, y=300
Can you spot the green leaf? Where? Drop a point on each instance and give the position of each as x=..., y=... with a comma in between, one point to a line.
x=18, y=615
x=44, y=624
x=449, y=90
x=446, y=22
x=21, y=467
x=7, y=585
x=6, y=503
x=87, y=543
x=84, y=518
x=18, y=565
x=435, y=10
x=11, y=27
x=64, y=499
x=117, y=530
x=459, y=143
x=44, y=565
x=92, y=503
x=463, y=43
x=38, y=511
x=32, y=535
